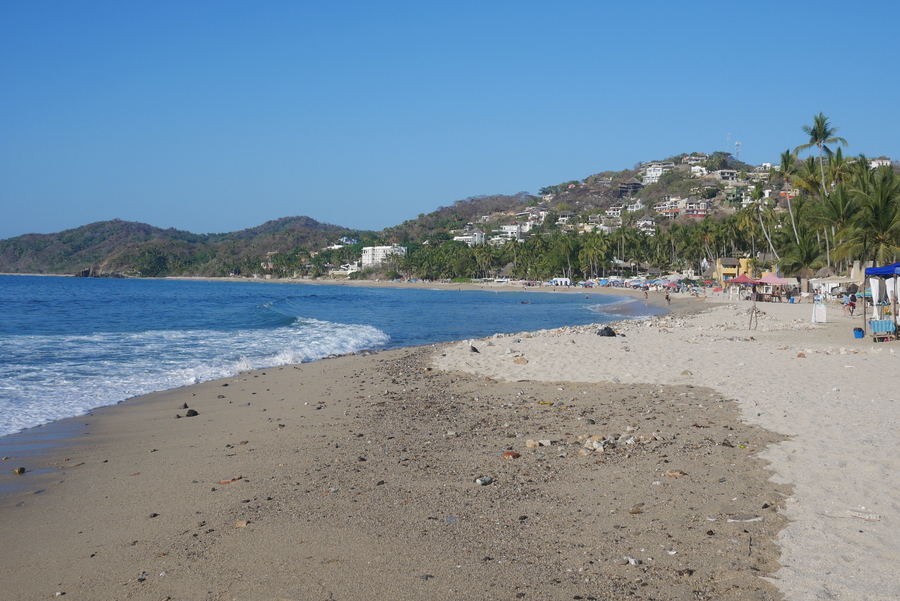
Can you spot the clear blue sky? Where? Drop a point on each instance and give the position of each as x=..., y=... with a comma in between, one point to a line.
x=216, y=116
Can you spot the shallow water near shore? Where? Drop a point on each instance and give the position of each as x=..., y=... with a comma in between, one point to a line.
x=68, y=345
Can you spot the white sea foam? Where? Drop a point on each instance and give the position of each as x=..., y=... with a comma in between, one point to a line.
x=84, y=372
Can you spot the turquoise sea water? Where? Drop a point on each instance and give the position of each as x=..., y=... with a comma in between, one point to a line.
x=68, y=345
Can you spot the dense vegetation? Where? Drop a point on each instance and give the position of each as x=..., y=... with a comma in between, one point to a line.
x=126, y=248
x=825, y=210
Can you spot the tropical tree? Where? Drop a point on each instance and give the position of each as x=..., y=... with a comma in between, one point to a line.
x=765, y=215
x=834, y=215
x=788, y=166
x=875, y=230
x=821, y=133
x=805, y=256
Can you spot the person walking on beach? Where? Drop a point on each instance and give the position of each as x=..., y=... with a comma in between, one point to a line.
x=846, y=304
x=668, y=298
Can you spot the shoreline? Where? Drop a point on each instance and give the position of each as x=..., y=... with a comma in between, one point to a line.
x=302, y=450
x=615, y=312
x=358, y=472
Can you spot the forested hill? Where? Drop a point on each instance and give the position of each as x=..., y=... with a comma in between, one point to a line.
x=129, y=248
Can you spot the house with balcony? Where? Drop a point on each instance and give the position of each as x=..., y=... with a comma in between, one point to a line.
x=630, y=188
x=647, y=226
x=636, y=206
x=726, y=175
x=564, y=217
x=670, y=207
x=471, y=238
x=614, y=211
x=653, y=171
x=696, y=209
x=695, y=158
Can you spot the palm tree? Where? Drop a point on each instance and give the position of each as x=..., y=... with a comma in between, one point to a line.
x=593, y=251
x=834, y=214
x=804, y=257
x=820, y=134
x=875, y=232
x=764, y=214
x=788, y=166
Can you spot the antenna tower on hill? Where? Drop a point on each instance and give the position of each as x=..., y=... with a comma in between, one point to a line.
x=737, y=151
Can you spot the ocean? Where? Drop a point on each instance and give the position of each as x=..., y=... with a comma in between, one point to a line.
x=68, y=345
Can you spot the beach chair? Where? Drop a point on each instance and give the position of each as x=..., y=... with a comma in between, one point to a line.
x=883, y=330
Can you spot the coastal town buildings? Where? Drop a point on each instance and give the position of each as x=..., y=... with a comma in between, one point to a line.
x=376, y=255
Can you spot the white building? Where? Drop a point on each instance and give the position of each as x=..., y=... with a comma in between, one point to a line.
x=653, y=171
x=471, y=238
x=376, y=255
x=512, y=231
x=879, y=162
x=647, y=226
x=634, y=207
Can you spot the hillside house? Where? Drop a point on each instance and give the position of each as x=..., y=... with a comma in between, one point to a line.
x=646, y=226
x=696, y=209
x=512, y=231
x=471, y=238
x=614, y=211
x=696, y=158
x=636, y=206
x=670, y=207
x=630, y=188
x=653, y=171
x=564, y=217
x=726, y=175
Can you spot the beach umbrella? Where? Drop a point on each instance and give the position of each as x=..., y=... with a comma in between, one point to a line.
x=742, y=279
x=774, y=280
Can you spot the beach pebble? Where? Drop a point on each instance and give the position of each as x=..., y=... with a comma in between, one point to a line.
x=511, y=455
x=19, y=471
x=532, y=444
x=520, y=360
x=191, y=413
x=484, y=480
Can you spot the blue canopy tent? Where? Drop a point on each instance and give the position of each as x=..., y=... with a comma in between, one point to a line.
x=884, y=272
x=882, y=328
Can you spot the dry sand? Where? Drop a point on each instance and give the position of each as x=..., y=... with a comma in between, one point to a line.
x=354, y=477
x=827, y=392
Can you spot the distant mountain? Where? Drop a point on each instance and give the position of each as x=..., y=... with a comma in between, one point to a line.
x=117, y=247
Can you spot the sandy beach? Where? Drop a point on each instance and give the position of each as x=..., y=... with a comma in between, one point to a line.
x=691, y=458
